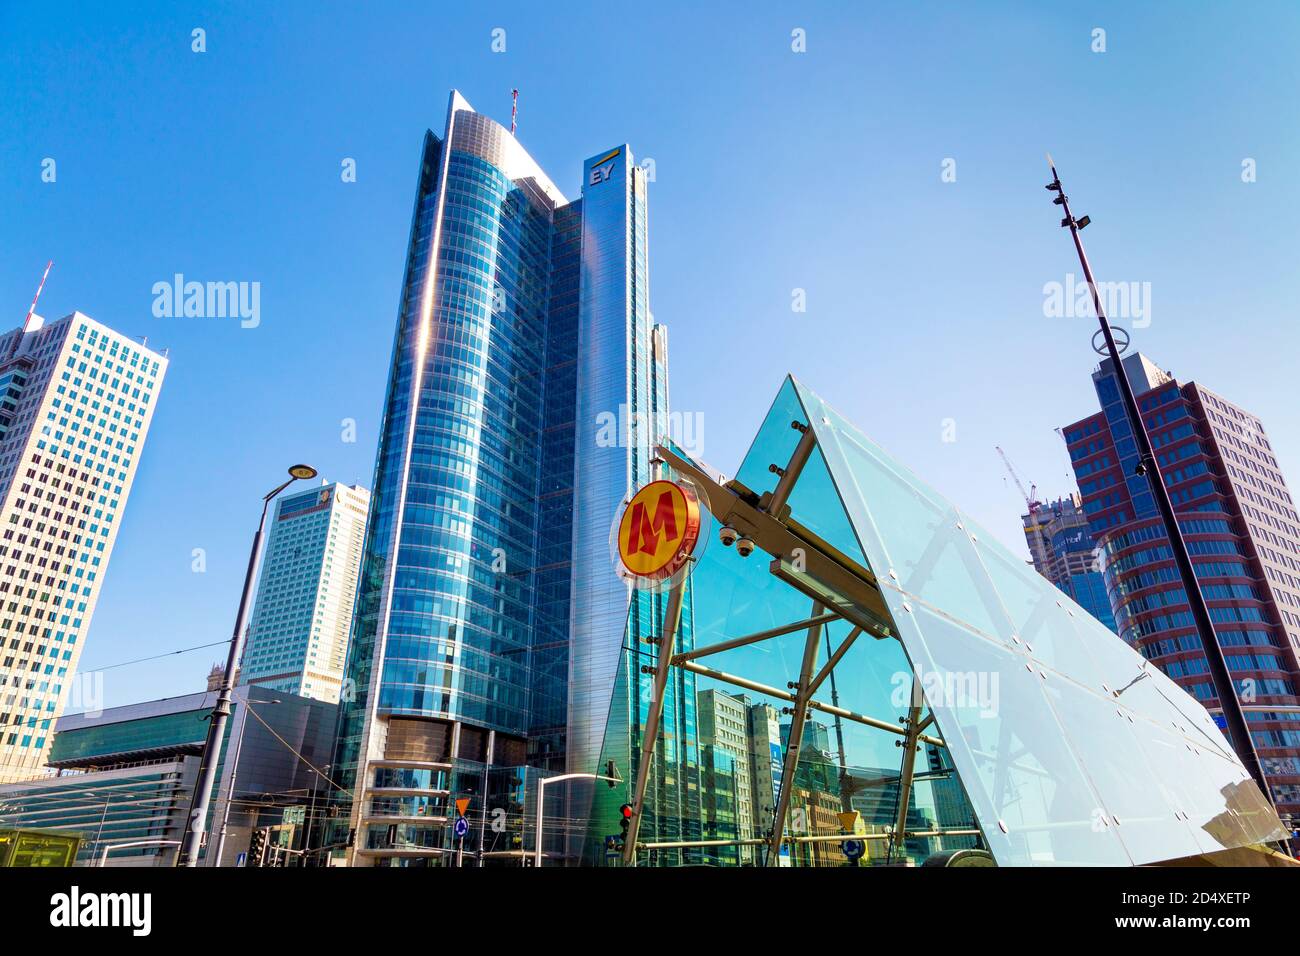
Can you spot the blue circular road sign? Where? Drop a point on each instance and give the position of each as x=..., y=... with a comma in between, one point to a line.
x=461, y=827
x=853, y=848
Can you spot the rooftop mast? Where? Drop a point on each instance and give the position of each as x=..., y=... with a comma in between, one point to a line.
x=13, y=347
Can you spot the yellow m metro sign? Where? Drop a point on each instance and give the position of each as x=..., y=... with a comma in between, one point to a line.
x=658, y=531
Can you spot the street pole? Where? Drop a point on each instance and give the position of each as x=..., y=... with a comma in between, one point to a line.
x=230, y=796
x=1234, y=716
x=311, y=816
x=195, y=829
x=846, y=798
x=99, y=834
x=541, y=797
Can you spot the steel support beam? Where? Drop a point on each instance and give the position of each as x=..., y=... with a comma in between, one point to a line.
x=909, y=763
x=834, y=659
x=794, y=743
x=754, y=638
x=650, y=733
x=790, y=474
x=842, y=585
x=817, y=705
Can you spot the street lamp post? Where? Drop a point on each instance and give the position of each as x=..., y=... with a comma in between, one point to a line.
x=197, y=825
x=541, y=797
x=1224, y=688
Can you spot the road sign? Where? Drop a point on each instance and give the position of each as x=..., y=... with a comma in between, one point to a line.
x=461, y=827
x=462, y=804
x=849, y=820
x=853, y=849
x=241, y=860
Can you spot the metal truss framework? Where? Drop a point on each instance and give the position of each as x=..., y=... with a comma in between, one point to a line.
x=839, y=588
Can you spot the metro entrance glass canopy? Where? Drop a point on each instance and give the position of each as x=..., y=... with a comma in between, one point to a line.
x=881, y=682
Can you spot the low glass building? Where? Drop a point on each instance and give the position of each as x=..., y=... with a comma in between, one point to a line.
x=124, y=778
x=917, y=694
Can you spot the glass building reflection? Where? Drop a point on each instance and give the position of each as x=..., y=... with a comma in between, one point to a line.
x=527, y=382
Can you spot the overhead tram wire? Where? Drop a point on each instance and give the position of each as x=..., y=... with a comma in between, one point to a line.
x=141, y=660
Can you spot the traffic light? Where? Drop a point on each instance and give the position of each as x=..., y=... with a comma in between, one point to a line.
x=257, y=846
x=624, y=821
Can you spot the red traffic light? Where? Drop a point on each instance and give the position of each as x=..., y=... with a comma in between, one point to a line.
x=626, y=811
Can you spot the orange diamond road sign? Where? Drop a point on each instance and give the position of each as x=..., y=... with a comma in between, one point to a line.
x=658, y=530
x=462, y=804
x=849, y=820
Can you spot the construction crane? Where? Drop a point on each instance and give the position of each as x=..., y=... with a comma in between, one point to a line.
x=1030, y=496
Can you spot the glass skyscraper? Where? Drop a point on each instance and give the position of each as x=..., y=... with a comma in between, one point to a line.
x=527, y=385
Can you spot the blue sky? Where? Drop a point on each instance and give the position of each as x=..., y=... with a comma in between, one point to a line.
x=774, y=171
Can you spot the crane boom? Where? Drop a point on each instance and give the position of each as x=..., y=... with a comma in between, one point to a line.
x=1031, y=496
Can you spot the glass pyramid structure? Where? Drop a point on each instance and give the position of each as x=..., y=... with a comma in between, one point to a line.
x=1046, y=739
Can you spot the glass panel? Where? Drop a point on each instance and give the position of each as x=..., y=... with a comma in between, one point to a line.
x=1008, y=747
x=992, y=616
x=1132, y=802
x=1048, y=740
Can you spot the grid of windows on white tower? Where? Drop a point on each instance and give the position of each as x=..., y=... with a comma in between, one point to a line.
x=76, y=401
x=298, y=639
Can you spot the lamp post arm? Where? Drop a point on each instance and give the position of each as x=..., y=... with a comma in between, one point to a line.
x=196, y=826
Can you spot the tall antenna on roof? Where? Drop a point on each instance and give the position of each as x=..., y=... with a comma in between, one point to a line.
x=514, y=110
x=13, y=346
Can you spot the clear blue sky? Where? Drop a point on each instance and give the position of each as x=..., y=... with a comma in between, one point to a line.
x=774, y=171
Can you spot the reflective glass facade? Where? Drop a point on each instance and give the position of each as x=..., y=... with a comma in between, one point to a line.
x=519, y=411
x=1046, y=740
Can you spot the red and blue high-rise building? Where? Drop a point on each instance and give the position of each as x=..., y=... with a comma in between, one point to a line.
x=1239, y=520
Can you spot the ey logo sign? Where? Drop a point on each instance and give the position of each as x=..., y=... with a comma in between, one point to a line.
x=658, y=531
x=603, y=168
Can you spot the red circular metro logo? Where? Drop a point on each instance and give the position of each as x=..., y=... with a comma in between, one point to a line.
x=659, y=529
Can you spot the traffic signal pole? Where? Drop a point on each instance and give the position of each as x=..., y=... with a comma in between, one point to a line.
x=1234, y=716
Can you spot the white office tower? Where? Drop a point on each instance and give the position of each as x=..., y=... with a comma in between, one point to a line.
x=76, y=401
x=298, y=641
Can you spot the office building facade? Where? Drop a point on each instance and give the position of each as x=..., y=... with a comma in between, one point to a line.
x=1241, y=527
x=528, y=381
x=76, y=408
x=298, y=639
x=1063, y=551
